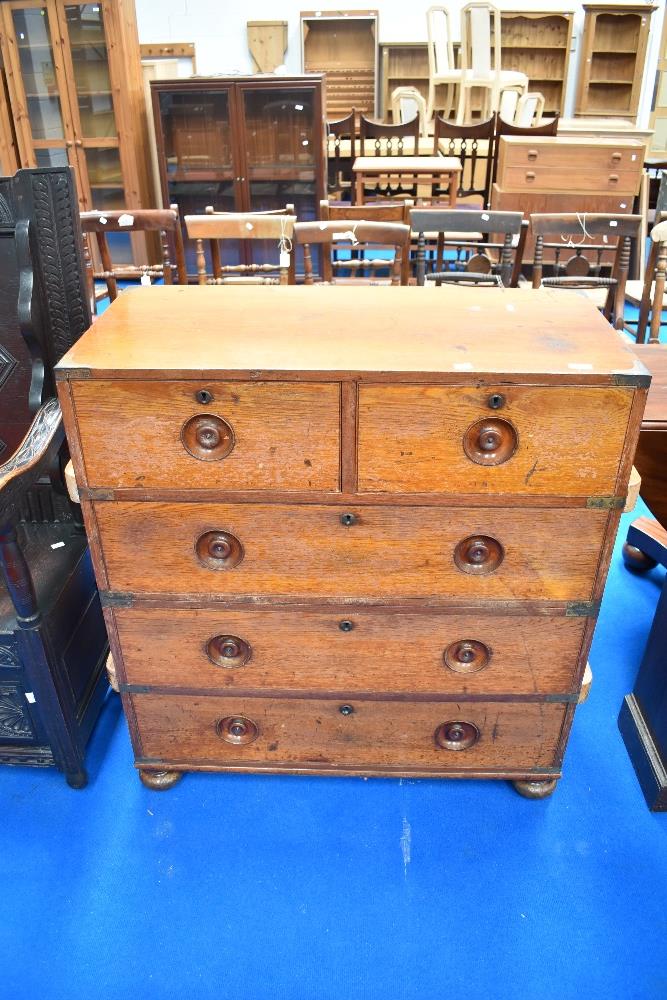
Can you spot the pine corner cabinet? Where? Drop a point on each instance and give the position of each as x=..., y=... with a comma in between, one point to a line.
x=75, y=92
x=240, y=144
x=320, y=552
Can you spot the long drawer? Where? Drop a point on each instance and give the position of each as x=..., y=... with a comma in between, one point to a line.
x=543, y=177
x=368, y=551
x=216, y=435
x=349, y=650
x=449, y=439
x=592, y=157
x=327, y=734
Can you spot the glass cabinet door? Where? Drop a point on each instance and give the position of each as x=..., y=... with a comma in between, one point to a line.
x=43, y=122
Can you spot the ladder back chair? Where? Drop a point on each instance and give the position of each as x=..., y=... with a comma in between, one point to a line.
x=359, y=237
x=216, y=227
x=653, y=293
x=580, y=243
x=474, y=145
x=341, y=134
x=442, y=71
x=378, y=139
x=166, y=222
x=375, y=211
x=467, y=251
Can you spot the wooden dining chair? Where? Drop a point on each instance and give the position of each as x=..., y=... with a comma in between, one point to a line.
x=474, y=146
x=220, y=226
x=579, y=244
x=375, y=211
x=379, y=139
x=653, y=292
x=359, y=237
x=468, y=250
x=339, y=167
x=166, y=222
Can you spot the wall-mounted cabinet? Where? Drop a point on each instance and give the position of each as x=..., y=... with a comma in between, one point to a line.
x=240, y=144
x=613, y=54
x=343, y=44
x=75, y=95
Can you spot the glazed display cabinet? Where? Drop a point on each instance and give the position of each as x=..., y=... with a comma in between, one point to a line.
x=74, y=86
x=240, y=144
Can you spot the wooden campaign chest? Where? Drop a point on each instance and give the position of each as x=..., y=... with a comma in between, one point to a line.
x=351, y=530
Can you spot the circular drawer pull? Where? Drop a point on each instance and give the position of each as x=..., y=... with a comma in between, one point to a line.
x=228, y=651
x=490, y=442
x=207, y=437
x=219, y=550
x=467, y=656
x=456, y=735
x=478, y=554
x=237, y=729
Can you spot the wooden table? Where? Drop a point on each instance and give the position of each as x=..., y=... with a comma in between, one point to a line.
x=651, y=457
x=423, y=168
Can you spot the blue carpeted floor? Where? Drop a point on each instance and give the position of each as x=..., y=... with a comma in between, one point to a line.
x=279, y=888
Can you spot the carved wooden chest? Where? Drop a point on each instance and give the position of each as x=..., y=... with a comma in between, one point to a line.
x=351, y=530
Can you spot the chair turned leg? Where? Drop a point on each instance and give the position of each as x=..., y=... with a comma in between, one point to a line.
x=159, y=781
x=536, y=789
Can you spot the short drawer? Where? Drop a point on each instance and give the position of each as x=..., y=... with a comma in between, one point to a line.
x=600, y=158
x=560, y=178
x=368, y=551
x=220, y=435
x=326, y=734
x=350, y=650
x=450, y=439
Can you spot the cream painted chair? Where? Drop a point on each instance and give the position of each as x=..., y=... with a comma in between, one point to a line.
x=442, y=69
x=481, y=60
x=406, y=104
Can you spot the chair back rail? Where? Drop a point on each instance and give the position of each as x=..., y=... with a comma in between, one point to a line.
x=469, y=235
x=358, y=235
x=464, y=141
x=220, y=226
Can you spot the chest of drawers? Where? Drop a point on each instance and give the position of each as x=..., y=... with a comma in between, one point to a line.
x=351, y=530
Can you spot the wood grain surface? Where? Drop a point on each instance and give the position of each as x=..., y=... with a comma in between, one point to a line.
x=313, y=732
x=389, y=552
x=452, y=333
x=287, y=437
x=382, y=652
x=569, y=439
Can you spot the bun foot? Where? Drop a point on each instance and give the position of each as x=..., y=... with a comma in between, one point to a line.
x=76, y=779
x=160, y=780
x=637, y=560
x=536, y=789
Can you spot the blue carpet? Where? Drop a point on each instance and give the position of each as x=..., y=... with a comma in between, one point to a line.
x=279, y=888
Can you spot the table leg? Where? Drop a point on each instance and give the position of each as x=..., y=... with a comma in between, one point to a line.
x=359, y=189
x=453, y=188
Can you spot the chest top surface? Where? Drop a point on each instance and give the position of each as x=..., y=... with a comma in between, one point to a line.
x=441, y=334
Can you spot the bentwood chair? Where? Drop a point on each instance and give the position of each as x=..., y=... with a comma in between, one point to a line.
x=365, y=239
x=472, y=247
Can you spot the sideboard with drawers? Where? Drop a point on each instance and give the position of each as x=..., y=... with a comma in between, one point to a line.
x=351, y=530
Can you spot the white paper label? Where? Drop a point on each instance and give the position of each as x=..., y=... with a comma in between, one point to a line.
x=30, y=698
x=103, y=220
x=58, y=545
x=145, y=279
x=284, y=258
x=613, y=223
x=126, y=220
x=485, y=216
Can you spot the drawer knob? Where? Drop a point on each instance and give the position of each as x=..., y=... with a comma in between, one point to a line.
x=532, y=154
x=467, y=656
x=348, y=520
x=456, y=735
x=228, y=651
x=478, y=554
x=530, y=175
x=490, y=442
x=613, y=178
x=219, y=550
x=237, y=729
x=616, y=157
x=207, y=437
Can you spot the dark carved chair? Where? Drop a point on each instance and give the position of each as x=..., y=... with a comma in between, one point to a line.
x=53, y=643
x=379, y=139
x=475, y=146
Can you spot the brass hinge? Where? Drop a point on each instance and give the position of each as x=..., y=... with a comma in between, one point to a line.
x=605, y=503
x=639, y=379
x=114, y=599
x=135, y=689
x=99, y=494
x=582, y=609
x=563, y=699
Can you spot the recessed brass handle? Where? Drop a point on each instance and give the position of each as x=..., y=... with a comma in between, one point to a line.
x=479, y=554
x=490, y=441
x=219, y=550
x=207, y=437
x=228, y=651
x=456, y=735
x=467, y=656
x=237, y=729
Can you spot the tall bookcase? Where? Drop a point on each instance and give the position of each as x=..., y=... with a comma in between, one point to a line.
x=658, y=119
x=343, y=44
x=613, y=53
